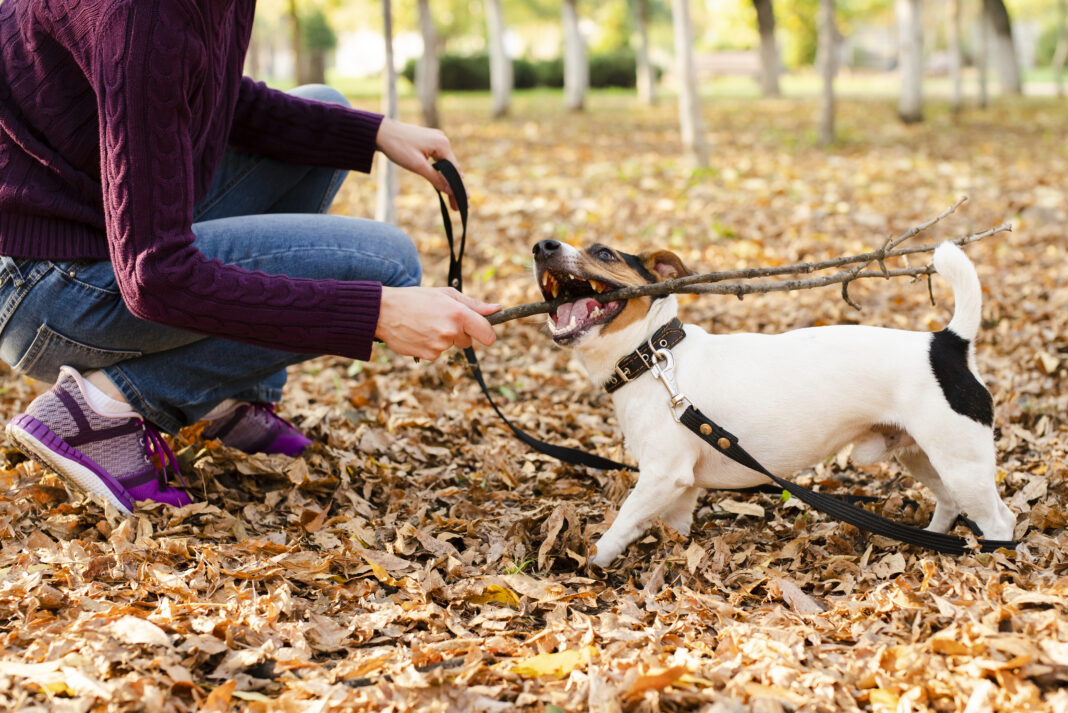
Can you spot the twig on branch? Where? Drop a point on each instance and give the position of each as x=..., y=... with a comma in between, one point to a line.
x=705, y=284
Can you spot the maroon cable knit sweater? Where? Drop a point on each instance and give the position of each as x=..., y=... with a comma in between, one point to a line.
x=114, y=115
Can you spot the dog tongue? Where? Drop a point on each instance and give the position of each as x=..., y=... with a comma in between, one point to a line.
x=579, y=309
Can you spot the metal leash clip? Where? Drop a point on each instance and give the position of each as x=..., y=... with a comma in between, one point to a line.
x=666, y=374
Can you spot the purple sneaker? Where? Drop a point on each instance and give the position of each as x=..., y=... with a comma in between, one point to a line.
x=256, y=428
x=118, y=459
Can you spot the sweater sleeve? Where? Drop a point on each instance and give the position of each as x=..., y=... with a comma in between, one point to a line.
x=142, y=75
x=293, y=129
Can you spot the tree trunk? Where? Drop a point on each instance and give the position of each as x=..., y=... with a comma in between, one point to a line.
x=385, y=206
x=1061, y=53
x=426, y=71
x=646, y=79
x=576, y=67
x=769, y=51
x=953, y=39
x=1004, y=47
x=315, y=67
x=982, y=57
x=910, y=60
x=296, y=42
x=693, y=129
x=500, y=65
x=828, y=50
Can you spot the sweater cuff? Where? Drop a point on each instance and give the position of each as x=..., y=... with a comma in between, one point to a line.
x=359, y=303
x=355, y=137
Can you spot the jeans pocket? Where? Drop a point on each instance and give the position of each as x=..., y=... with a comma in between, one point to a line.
x=96, y=276
x=51, y=350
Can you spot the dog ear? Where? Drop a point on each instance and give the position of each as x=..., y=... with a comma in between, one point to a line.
x=665, y=265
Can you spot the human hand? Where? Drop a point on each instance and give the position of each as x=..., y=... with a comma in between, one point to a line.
x=425, y=321
x=413, y=147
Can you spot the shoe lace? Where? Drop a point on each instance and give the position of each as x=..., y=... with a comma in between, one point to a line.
x=160, y=455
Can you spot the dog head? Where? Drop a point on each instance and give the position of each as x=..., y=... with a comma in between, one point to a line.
x=577, y=276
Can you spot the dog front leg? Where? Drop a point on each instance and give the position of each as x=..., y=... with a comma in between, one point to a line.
x=658, y=490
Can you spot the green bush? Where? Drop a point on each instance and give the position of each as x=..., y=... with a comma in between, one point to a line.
x=524, y=74
x=614, y=69
x=471, y=72
x=1046, y=46
x=318, y=36
x=550, y=73
x=465, y=73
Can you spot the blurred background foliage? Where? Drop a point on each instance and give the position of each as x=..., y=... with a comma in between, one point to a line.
x=342, y=40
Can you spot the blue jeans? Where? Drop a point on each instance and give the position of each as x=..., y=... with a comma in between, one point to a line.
x=259, y=214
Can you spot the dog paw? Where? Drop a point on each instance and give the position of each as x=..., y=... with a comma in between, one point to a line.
x=605, y=554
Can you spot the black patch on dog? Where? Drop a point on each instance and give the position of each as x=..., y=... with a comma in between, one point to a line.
x=635, y=262
x=965, y=393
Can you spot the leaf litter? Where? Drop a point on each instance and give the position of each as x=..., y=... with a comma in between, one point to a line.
x=420, y=558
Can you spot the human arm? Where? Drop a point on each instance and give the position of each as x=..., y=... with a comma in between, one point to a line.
x=143, y=79
x=297, y=130
x=293, y=129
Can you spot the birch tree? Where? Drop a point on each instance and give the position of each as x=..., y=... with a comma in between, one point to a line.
x=427, y=71
x=1060, y=54
x=693, y=132
x=982, y=57
x=646, y=74
x=500, y=64
x=769, y=50
x=385, y=205
x=576, y=66
x=953, y=40
x=1004, y=49
x=828, y=56
x=910, y=60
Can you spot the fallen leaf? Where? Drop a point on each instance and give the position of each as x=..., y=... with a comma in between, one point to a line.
x=656, y=681
x=496, y=593
x=559, y=664
x=134, y=630
x=740, y=508
x=796, y=598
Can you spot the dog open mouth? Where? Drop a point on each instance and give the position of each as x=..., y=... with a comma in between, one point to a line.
x=582, y=310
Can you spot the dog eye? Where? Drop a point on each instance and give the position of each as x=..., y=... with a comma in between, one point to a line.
x=605, y=254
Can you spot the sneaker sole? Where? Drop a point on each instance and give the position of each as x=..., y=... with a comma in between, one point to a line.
x=37, y=440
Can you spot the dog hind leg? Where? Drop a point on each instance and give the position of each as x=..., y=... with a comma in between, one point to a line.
x=679, y=514
x=920, y=468
x=965, y=463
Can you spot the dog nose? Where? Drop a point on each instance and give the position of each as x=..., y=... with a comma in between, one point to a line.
x=545, y=248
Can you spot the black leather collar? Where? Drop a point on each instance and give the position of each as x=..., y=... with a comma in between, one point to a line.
x=637, y=362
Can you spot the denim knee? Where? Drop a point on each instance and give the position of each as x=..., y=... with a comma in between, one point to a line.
x=406, y=256
x=320, y=93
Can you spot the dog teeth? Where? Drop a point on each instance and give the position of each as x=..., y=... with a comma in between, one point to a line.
x=550, y=285
x=598, y=285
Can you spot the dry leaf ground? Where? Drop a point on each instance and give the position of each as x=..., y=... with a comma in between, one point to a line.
x=420, y=558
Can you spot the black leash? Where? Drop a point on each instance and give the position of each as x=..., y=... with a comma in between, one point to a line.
x=703, y=427
x=573, y=456
x=726, y=443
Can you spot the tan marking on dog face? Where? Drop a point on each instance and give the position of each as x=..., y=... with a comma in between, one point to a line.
x=635, y=311
x=661, y=265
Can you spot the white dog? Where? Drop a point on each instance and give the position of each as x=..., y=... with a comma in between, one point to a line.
x=791, y=399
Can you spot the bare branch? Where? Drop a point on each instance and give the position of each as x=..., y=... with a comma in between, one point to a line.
x=704, y=284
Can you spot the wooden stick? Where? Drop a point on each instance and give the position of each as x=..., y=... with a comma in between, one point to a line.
x=700, y=284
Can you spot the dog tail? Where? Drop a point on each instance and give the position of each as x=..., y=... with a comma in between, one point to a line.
x=952, y=264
